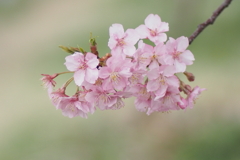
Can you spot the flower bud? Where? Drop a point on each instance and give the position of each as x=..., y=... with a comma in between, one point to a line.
x=189, y=76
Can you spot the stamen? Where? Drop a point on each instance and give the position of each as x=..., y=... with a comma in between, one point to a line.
x=153, y=33
x=104, y=98
x=121, y=42
x=162, y=80
x=71, y=107
x=114, y=77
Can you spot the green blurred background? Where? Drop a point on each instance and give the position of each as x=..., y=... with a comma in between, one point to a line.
x=32, y=129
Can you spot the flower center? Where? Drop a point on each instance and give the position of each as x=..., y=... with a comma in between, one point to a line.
x=134, y=78
x=104, y=98
x=83, y=66
x=161, y=79
x=114, y=77
x=121, y=42
x=152, y=32
x=71, y=107
x=176, y=55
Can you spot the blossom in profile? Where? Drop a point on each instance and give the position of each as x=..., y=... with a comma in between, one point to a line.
x=194, y=95
x=83, y=66
x=170, y=101
x=71, y=107
x=121, y=42
x=56, y=96
x=153, y=29
x=48, y=81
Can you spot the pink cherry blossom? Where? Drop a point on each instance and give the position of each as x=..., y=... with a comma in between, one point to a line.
x=116, y=73
x=160, y=79
x=103, y=98
x=193, y=96
x=48, y=81
x=148, y=73
x=177, y=53
x=137, y=76
x=87, y=107
x=56, y=96
x=170, y=101
x=84, y=67
x=143, y=100
x=119, y=104
x=71, y=107
x=122, y=42
x=142, y=57
x=153, y=29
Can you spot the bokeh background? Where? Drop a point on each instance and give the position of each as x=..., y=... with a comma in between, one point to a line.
x=32, y=129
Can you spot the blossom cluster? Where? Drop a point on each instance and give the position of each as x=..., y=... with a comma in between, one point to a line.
x=147, y=72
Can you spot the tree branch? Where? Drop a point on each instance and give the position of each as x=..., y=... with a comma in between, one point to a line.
x=209, y=21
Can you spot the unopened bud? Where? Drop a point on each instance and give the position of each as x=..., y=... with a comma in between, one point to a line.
x=187, y=87
x=189, y=76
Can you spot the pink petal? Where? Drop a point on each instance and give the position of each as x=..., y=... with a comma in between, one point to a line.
x=153, y=74
x=132, y=37
x=187, y=57
x=168, y=70
x=112, y=43
x=120, y=84
x=163, y=27
x=154, y=64
x=152, y=21
x=92, y=60
x=152, y=85
x=91, y=96
x=180, y=67
x=182, y=43
x=79, y=77
x=125, y=73
x=116, y=30
x=141, y=105
x=162, y=37
x=173, y=81
x=142, y=31
x=91, y=75
x=129, y=50
x=82, y=106
x=104, y=72
x=168, y=59
x=72, y=62
x=160, y=92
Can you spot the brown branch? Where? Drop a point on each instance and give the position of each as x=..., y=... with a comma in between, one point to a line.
x=209, y=21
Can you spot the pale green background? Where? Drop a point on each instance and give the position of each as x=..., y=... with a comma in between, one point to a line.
x=31, y=128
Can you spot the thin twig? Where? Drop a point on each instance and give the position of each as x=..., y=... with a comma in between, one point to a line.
x=209, y=21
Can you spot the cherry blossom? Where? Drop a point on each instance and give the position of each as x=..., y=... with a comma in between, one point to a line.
x=160, y=79
x=56, y=96
x=116, y=72
x=84, y=67
x=48, y=81
x=122, y=42
x=193, y=95
x=71, y=107
x=153, y=29
x=170, y=101
x=177, y=53
x=149, y=73
x=102, y=98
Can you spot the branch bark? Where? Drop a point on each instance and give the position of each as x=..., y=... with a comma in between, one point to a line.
x=209, y=21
